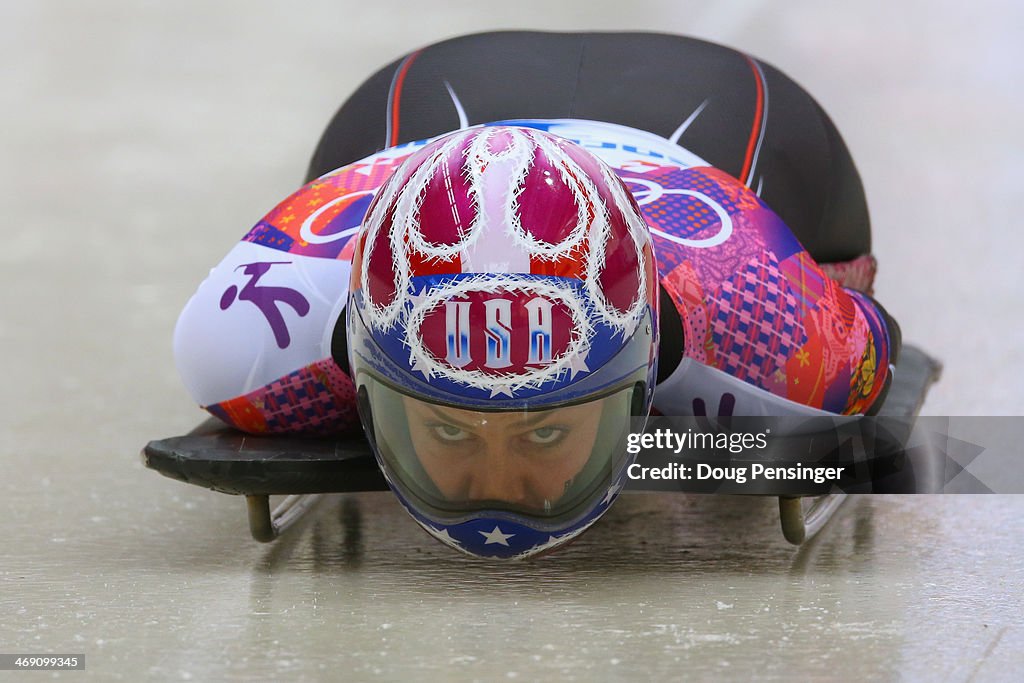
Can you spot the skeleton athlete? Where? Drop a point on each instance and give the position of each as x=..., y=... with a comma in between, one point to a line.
x=497, y=298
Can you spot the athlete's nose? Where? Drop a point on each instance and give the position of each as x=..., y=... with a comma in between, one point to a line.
x=500, y=476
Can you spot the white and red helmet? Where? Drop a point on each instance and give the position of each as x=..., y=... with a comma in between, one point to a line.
x=502, y=333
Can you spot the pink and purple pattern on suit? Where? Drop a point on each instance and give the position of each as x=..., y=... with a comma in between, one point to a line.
x=320, y=218
x=752, y=302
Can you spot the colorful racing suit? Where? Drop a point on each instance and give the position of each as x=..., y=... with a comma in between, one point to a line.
x=749, y=323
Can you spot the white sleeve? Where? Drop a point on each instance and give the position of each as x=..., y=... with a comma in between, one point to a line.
x=261, y=314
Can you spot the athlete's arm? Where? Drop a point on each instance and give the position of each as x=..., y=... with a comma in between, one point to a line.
x=253, y=344
x=763, y=329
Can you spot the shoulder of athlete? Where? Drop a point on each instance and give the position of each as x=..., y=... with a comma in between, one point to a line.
x=270, y=306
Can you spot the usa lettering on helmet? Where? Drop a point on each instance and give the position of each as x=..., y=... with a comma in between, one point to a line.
x=540, y=330
x=457, y=324
x=499, y=333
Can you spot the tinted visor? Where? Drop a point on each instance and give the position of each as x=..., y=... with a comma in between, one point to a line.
x=547, y=464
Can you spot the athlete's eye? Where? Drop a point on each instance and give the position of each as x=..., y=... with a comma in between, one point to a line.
x=546, y=435
x=450, y=433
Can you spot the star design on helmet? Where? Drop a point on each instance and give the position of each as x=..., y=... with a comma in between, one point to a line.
x=500, y=390
x=419, y=366
x=418, y=299
x=554, y=541
x=612, y=491
x=578, y=364
x=550, y=543
x=496, y=536
x=442, y=535
x=540, y=547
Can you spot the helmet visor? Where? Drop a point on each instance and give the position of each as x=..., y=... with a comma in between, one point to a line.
x=547, y=464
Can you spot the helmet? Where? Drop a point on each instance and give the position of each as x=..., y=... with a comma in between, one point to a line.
x=501, y=334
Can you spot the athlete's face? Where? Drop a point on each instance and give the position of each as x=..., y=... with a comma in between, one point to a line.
x=528, y=459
